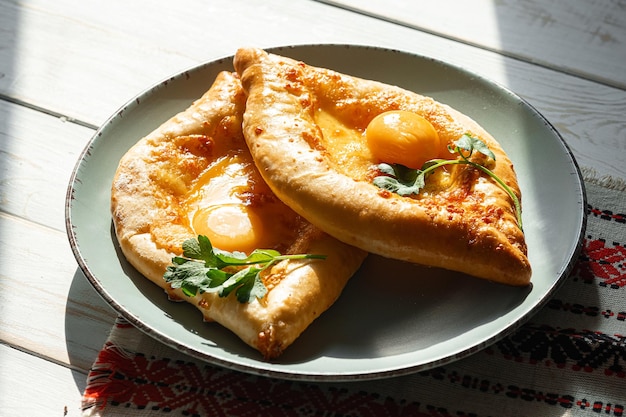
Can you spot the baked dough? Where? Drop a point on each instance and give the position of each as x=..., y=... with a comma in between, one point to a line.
x=194, y=162
x=305, y=129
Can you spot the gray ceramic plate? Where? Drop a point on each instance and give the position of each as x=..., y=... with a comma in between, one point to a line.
x=392, y=318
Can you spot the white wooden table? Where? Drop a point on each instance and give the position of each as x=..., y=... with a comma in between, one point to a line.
x=65, y=66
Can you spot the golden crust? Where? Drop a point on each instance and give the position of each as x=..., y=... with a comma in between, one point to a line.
x=149, y=202
x=295, y=123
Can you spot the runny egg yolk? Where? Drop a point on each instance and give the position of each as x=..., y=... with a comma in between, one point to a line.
x=215, y=207
x=230, y=227
x=402, y=137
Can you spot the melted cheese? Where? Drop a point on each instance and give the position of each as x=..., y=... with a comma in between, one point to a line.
x=345, y=145
x=397, y=137
x=230, y=204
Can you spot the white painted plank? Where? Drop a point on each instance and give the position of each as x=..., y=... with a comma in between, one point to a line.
x=33, y=387
x=85, y=59
x=47, y=306
x=37, y=155
x=103, y=62
x=81, y=57
x=583, y=37
x=589, y=116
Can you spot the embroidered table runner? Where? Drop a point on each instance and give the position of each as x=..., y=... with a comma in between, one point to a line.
x=569, y=359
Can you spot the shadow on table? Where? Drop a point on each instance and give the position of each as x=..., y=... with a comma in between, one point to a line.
x=88, y=321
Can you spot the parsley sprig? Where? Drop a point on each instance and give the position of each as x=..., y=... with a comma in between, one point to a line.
x=406, y=181
x=203, y=268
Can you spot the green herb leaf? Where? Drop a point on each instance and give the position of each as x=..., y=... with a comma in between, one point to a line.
x=201, y=249
x=471, y=144
x=258, y=256
x=202, y=269
x=400, y=179
x=188, y=276
x=405, y=181
x=247, y=284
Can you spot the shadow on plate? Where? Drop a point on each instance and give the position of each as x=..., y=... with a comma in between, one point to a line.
x=388, y=308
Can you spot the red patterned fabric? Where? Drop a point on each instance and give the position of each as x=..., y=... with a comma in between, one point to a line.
x=570, y=359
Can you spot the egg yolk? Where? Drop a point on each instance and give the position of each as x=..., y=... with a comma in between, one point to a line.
x=402, y=137
x=230, y=227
